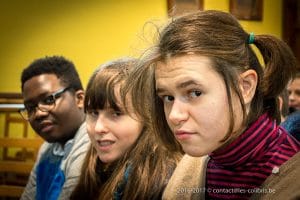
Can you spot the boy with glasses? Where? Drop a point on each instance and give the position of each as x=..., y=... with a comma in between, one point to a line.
x=53, y=105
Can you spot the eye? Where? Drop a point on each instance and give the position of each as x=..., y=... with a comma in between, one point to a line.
x=116, y=113
x=48, y=100
x=30, y=108
x=167, y=98
x=93, y=113
x=195, y=93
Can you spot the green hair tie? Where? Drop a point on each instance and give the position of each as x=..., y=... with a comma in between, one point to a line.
x=251, y=38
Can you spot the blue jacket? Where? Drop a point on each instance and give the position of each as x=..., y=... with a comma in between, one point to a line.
x=292, y=124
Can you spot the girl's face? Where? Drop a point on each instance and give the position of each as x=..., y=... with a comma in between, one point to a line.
x=112, y=132
x=195, y=103
x=294, y=94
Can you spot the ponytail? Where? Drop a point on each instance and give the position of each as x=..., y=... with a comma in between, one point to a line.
x=280, y=67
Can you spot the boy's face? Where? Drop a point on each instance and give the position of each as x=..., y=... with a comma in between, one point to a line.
x=61, y=122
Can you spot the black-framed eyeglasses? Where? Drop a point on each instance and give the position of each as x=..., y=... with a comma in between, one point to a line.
x=44, y=105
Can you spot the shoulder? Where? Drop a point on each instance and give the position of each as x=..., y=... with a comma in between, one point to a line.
x=71, y=164
x=45, y=147
x=81, y=131
x=81, y=141
x=187, y=179
x=284, y=183
x=292, y=124
x=292, y=121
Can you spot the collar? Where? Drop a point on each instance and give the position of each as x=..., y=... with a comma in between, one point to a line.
x=258, y=138
x=63, y=150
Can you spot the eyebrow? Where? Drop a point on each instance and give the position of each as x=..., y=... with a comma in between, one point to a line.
x=39, y=97
x=179, y=86
x=186, y=84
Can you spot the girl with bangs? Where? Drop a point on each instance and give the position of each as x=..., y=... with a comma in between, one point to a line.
x=125, y=160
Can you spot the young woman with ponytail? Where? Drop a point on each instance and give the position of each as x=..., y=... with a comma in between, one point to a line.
x=212, y=95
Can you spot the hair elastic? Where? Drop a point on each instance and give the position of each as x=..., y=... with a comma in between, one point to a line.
x=251, y=38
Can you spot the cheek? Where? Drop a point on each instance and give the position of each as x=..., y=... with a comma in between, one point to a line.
x=134, y=132
x=137, y=131
x=167, y=110
x=90, y=129
x=213, y=117
x=67, y=108
x=34, y=126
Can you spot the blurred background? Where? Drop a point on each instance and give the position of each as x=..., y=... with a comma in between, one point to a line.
x=92, y=32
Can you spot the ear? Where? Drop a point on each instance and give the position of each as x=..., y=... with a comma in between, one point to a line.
x=247, y=84
x=79, y=96
x=280, y=102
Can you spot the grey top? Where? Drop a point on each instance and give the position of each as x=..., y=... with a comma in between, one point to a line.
x=74, y=152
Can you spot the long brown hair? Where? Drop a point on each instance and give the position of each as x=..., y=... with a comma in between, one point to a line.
x=220, y=37
x=151, y=164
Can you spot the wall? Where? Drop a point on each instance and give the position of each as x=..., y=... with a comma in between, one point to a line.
x=87, y=32
x=272, y=16
x=90, y=32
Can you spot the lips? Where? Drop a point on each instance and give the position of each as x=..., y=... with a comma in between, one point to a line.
x=183, y=135
x=105, y=145
x=46, y=126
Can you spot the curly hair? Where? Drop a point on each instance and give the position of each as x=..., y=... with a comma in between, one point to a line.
x=64, y=70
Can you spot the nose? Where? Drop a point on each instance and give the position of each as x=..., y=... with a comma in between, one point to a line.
x=38, y=113
x=291, y=98
x=101, y=125
x=178, y=113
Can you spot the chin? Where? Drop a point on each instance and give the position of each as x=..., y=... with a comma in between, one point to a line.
x=49, y=139
x=194, y=152
x=106, y=160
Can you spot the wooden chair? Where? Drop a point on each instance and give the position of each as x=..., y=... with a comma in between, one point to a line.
x=15, y=167
x=18, y=171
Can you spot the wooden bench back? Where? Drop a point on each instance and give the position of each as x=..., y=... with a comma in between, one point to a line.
x=18, y=153
x=13, y=187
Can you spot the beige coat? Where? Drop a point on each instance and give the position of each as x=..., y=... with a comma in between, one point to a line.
x=188, y=179
x=283, y=185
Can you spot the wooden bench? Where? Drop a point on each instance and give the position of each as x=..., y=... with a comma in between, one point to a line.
x=18, y=149
x=14, y=186
x=11, y=191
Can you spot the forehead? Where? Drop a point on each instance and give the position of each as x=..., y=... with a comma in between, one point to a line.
x=40, y=85
x=182, y=68
x=294, y=84
x=192, y=62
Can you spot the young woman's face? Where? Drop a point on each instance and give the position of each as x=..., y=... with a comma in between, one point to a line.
x=112, y=132
x=294, y=94
x=195, y=102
